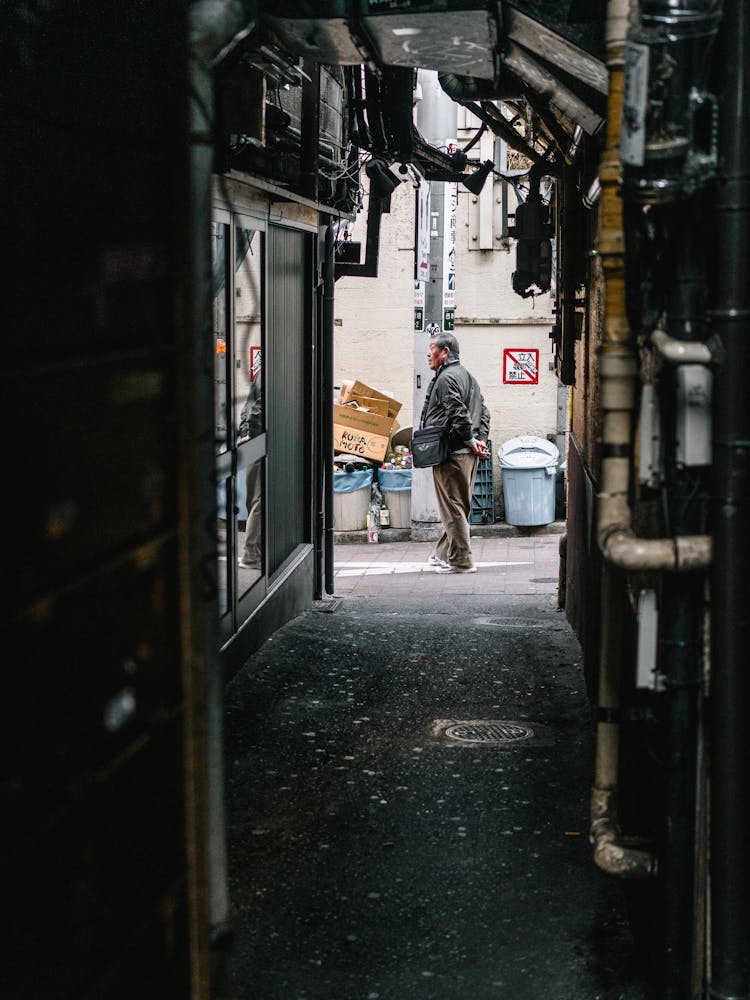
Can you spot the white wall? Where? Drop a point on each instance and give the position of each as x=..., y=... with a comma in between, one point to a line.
x=374, y=317
x=374, y=336
x=490, y=317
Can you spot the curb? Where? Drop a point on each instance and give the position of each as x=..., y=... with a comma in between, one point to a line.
x=500, y=530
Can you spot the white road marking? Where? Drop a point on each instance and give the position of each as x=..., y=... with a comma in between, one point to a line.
x=386, y=568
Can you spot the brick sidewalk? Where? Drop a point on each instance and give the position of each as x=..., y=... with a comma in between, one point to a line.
x=510, y=565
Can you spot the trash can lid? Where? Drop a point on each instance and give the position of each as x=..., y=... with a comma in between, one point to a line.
x=527, y=452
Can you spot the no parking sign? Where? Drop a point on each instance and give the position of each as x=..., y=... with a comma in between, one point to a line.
x=520, y=366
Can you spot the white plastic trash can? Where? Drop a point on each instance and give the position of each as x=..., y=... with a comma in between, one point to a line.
x=529, y=468
x=351, y=499
x=396, y=487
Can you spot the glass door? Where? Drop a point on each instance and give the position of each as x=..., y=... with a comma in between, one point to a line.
x=240, y=415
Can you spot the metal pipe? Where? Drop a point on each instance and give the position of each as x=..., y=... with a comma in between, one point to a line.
x=318, y=469
x=729, y=697
x=681, y=648
x=610, y=854
x=617, y=359
x=329, y=284
x=681, y=352
x=472, y=88
x=618, y=374
x=215, y=27
x=629, y=552
x=503, y=129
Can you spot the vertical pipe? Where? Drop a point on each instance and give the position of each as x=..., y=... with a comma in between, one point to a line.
x=617, y=370
x=329, y=279
x=617, y=367
x=730, y=579
x=681, y=624
x=318, y=524
x=680, y=657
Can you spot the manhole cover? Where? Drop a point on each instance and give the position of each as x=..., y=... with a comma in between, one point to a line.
x=492, y=731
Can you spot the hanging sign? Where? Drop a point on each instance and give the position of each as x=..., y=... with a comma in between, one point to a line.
x=421, y=268
x=520, y=366
x=450, y=206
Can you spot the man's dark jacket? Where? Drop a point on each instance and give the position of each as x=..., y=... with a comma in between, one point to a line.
x=457, y=404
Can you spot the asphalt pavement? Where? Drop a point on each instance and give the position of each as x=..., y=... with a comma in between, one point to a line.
x=408, y=775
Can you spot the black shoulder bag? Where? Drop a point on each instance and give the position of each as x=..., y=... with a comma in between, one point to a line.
x=429, y=445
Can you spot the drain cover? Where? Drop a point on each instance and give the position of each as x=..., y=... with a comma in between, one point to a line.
x=327, y=606
x=491, y=731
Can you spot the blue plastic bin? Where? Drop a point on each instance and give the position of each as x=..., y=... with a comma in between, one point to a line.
x=396, y=487
x=351, y=499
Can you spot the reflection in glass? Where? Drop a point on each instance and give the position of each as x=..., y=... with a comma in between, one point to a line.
x=250, y=543
x=248, y=402
x=239, y=419
x=248, y=328
x=223, y=567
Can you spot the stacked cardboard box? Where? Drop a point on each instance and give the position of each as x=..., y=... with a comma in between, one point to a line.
x=363, y=421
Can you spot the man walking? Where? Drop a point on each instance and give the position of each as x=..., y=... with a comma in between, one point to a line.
x=454, y=401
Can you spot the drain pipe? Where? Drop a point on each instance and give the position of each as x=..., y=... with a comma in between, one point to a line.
x=617, y=539
x=329, y=283
x=729, y=698
x=617, y=364
x=684, y=352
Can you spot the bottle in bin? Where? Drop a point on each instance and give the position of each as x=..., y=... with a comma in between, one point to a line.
x=373, y=523
x=384, y=514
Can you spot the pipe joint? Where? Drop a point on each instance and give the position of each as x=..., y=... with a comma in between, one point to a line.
x=682, y=352
x=610, y=854
x=684, y=554
x=618, y=365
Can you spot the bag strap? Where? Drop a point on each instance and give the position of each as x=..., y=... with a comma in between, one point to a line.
x=430, y=390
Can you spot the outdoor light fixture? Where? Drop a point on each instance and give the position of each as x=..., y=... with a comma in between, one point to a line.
x=475, y=182
x=382, y=180
x=533, y=230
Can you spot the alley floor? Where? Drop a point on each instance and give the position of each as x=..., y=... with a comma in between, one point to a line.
x=377, y=850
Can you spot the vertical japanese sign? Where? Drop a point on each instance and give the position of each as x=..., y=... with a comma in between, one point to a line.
x=449, y=254
x=419, y=305
x=422, y=252
x=256, y=358
x=520, y=366
x=423, y=231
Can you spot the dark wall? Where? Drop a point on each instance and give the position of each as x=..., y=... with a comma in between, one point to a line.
x=583, y=562
x=94, y=191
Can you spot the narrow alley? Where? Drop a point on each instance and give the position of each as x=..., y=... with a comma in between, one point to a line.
x=379, y=850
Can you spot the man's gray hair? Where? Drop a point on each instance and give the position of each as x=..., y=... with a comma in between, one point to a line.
x=447, y=340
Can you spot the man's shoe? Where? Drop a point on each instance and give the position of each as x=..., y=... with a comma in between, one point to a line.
x=436, y=561
x=448, y=568
x=247, y=565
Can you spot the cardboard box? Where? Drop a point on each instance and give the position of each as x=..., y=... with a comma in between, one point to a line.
x=361, y=432
x=371, y=403
x=364, y=427
x=359, y=392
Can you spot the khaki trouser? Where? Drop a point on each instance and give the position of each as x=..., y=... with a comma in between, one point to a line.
x=454, y=486
x=253, y=530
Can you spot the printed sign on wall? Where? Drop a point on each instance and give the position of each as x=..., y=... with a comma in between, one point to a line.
x=520, y=366
x=256, y=355
x=421, y=260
